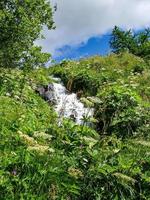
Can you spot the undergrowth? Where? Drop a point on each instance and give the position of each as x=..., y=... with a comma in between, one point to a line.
x=41, y=160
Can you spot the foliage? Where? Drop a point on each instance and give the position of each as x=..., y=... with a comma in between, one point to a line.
x=20, y=25
x=137, y=44
x=93, y=73
x=43, y=160
x=120, y=111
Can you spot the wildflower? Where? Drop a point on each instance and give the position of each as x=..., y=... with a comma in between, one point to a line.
x=13, y=153
x=27, y=139
x=89, y=141
x=8, y=94
x=16, y=97
x=116, y=150
x=76, y=173
x=14, y=172
x=42, y=135
x=53, y=192
x=124, y=177
x=41, y=149
x=142, y=142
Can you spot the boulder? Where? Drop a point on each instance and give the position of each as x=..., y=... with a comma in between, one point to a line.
x=47, y=93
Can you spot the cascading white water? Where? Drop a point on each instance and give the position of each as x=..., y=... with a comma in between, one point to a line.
x=68, y=105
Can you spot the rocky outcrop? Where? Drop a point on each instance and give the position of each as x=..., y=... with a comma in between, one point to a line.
x=47, y=93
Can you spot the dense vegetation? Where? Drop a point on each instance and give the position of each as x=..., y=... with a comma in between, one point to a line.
x=21, y=23
x=41, y=160
x=135, y=43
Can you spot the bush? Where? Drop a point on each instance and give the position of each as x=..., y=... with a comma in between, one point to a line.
x=41, y=160
x=120, y=111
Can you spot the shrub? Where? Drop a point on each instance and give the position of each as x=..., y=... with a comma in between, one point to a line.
x=120, y=111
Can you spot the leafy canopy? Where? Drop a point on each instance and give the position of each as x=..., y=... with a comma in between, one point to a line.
x=21, y=22
x=137, y=44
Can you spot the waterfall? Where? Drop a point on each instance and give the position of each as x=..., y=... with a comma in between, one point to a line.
x=67, y=104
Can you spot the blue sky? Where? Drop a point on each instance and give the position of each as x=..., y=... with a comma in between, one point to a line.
x=83, y=26
x=94, y=46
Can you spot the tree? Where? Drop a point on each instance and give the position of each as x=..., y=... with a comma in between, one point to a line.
x=21, y=22
x=137, y=44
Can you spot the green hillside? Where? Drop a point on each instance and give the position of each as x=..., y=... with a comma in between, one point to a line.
x=108, y=160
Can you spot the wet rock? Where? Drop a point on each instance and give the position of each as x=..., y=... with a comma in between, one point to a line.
x=51, y=87
x=49, y=96
x=73, y=117
x=40, y=90
x=47, y=93
x=79, y=93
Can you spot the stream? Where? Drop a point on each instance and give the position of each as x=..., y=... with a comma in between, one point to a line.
x=67, y=105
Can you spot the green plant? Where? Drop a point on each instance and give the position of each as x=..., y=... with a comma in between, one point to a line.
x=137, y=44
x=20, y=25
x=43, y=160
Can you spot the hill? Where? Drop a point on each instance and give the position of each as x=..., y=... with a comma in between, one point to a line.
x=41, y=159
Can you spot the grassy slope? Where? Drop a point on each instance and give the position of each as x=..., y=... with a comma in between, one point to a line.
x=40, y=160
x=93, y=73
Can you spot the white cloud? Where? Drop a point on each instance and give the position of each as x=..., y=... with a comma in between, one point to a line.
x=78, y=20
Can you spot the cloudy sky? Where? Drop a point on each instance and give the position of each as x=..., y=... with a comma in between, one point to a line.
x=83, y=26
